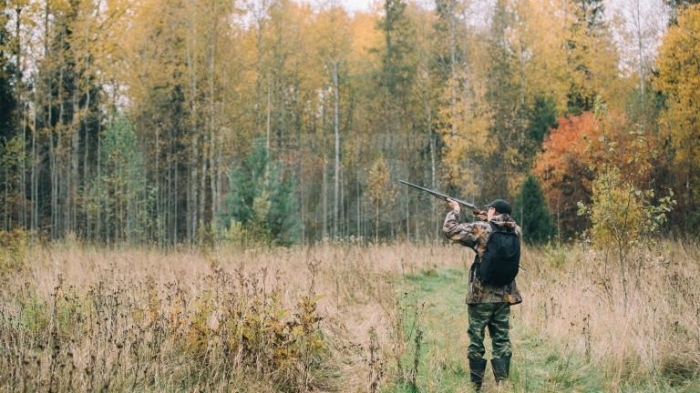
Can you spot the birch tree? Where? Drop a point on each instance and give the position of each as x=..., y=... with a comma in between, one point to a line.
x=335, y=45
x=678, y=79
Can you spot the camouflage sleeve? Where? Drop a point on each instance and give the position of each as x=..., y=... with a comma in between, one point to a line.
x=462, y=232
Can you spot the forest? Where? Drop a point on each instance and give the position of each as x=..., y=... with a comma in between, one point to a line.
x=168, y=122
x=205, y=195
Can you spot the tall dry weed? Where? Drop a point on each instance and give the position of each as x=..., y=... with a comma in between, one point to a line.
x=642, y=326
x=80, y=318
x=321, y=318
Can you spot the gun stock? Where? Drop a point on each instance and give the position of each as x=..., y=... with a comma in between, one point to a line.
x=443, y=196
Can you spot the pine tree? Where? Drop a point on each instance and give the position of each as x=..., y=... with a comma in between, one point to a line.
x=398, y=72
x=67, y=110
x=505, y=101
x=590, y=55
x=11, y=149
x=8, y=102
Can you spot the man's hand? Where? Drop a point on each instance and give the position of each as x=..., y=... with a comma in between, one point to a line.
x=453, y=205
x=481, y=215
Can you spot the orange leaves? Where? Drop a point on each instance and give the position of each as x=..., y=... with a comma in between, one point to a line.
x=565, y=147
x=563, y=171
x=581, y=148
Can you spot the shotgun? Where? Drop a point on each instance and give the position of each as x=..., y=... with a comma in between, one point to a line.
x=444, y=197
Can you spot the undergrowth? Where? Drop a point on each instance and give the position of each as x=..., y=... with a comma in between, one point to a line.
x=574, y=332
x=139, y=336
x=338, y=318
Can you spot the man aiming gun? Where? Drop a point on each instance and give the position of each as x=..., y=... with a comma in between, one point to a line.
x=492, y=288
x=495, y=238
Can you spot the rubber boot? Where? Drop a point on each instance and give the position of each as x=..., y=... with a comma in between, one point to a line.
x=477, y=367
x=501, y=368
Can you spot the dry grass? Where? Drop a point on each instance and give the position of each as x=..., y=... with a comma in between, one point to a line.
x=640, y=326
x=322, y=318
x=301, y=319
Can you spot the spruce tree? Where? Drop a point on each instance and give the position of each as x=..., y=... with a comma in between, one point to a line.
x=542, y=117
x=261, y=199
x=119, y=198
x=532, y=213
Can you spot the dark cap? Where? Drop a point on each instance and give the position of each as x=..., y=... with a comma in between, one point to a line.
x=500, y=205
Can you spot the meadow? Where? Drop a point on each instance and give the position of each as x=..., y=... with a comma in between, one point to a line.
x=339, y=317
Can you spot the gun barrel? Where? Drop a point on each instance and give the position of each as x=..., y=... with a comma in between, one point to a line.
x=440, y=195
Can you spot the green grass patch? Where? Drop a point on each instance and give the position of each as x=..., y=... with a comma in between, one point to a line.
x=435, y=322
x=435, y=328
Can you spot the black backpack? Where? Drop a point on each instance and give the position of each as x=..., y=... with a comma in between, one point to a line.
x=500, y=262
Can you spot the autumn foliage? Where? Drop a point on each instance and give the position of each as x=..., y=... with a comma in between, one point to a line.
x=186, y=87
x=564, y=171
x=679, y=80
x=580, y=149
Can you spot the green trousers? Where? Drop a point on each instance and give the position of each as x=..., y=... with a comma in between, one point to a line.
x=495, y=317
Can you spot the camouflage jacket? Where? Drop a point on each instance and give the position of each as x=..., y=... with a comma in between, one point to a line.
x=474, y=235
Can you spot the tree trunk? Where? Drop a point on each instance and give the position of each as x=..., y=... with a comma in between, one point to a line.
x=336, y=133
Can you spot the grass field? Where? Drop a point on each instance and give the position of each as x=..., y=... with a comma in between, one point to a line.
x=339, y=318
